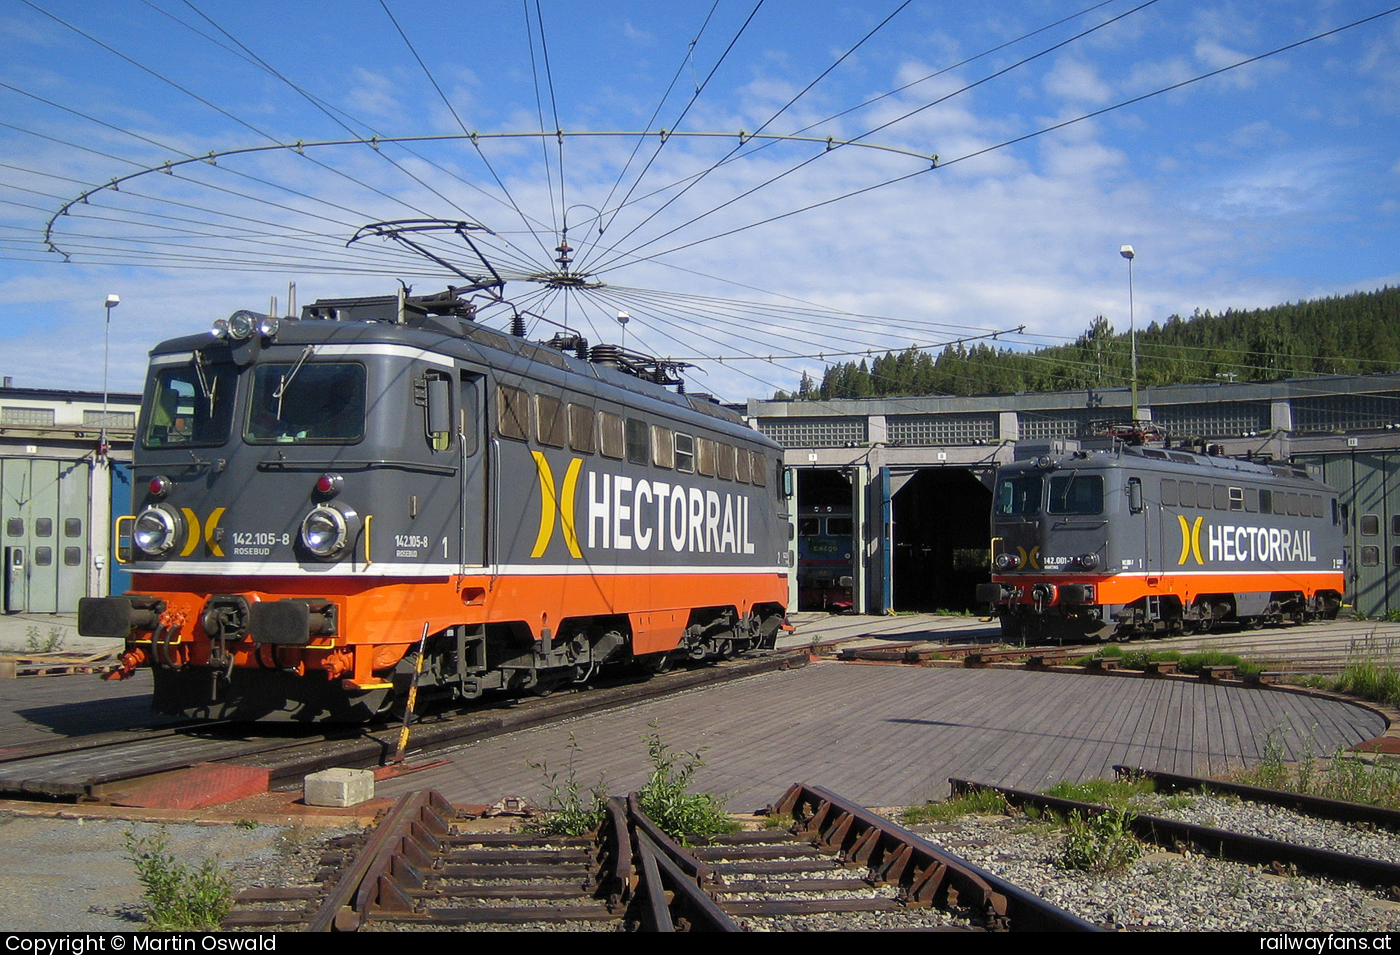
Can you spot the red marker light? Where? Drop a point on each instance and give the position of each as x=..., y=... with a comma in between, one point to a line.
x=329, y=484
x=159, y=486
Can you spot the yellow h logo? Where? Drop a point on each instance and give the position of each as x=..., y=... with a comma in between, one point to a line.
x=1190, y=540
x=560, y=502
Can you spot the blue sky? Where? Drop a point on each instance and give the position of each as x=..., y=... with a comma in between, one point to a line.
x=1270, y=182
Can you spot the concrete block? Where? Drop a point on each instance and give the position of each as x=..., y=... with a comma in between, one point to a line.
x=338, y=788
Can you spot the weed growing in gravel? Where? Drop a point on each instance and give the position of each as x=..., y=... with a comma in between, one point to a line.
x=1345, y=777
x=178, y=898
x=979, y=802
x=1100, y=843
x=667, y=798
x=568, y=811
x=1370, y=680
x=1105, y=792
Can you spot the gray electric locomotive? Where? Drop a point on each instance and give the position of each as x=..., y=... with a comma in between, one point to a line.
x=1143, y=540
x=312, y=496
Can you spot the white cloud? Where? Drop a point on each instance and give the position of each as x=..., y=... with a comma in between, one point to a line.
x=1072, y=79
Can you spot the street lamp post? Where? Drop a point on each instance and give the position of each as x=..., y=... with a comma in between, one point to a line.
x=622, y=319
x=1127, y=253
x=112, y=302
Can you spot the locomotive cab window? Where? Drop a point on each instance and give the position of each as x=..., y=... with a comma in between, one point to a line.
x=307, y=402
x=1076, y=494
x=1019, y=497
x=190, y=406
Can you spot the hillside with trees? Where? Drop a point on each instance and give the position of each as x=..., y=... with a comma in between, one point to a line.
x=1350, y=334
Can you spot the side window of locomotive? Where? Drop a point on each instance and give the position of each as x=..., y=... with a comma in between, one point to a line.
x=512, y=413
x=685, y=453
x=1076, y=494
x=610, y=432
x=663, y=447
x=310, y=402
x=638, y=447
x=1266, y=501
x=1222, y=497
x=1019, y=496
x=469, y=411
x=705, y=457
x=1251, y=500
x=1169, y=498
x=724, y=462
x=743, y=466
x=551, y=424
x=433, y=393
x=583, y=436
x=1236, y=498
x=758, y=472
x=1187, y=494
x=190, y=406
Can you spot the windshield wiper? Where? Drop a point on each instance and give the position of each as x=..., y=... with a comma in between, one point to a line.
x=286, y=380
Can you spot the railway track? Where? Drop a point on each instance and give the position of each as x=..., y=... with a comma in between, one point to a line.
x=828, y=864
x=1277, y=855
x=1308, y=648
x=107, y=766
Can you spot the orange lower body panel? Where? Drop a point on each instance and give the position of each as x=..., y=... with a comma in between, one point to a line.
x=1125, y=588
x=380, y=620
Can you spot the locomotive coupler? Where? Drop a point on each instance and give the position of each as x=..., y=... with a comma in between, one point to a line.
x=127, y=664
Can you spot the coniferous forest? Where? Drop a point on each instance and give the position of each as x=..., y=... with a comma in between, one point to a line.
x=1350, y=334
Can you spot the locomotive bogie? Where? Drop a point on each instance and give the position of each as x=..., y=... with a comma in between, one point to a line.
x=1145, y=542
x=314, y=509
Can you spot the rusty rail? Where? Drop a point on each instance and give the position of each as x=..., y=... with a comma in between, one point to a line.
x=1236, y=846
x=926, y=874
x=414, y=868
x=1320, y=806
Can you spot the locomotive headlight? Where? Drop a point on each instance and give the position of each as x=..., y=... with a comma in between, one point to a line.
x=220, y=328
x=155, y=530
x=241, y=325
x=1087, y=561
x=328, y=529
x=1007, y=561
x=268, y=325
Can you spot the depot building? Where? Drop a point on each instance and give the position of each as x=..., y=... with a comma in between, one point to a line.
x=893, y=495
